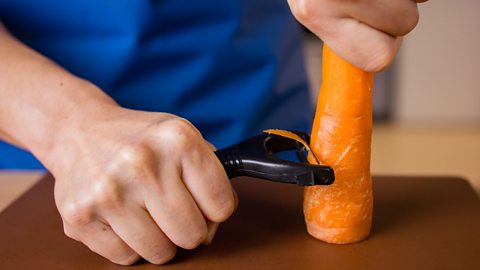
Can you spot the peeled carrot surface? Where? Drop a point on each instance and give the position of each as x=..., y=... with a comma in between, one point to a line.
x=341, y=137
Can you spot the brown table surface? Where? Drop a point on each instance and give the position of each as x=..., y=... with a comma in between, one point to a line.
x=419, y=223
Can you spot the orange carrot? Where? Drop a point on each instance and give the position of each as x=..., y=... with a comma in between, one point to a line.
x=341, y=136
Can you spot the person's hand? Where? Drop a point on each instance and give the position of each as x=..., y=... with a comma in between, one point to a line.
x=132, y=184
x=128, y=184
x=367, y=33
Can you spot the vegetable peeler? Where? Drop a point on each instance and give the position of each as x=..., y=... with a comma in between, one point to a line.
x=256, y=157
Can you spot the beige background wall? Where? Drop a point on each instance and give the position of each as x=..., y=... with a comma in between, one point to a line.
x=438, y=77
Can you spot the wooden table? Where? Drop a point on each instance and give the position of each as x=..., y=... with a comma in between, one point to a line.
x=419, y=223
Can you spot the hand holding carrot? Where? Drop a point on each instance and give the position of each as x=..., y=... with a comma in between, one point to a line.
x=360, y=37
x=366, y=33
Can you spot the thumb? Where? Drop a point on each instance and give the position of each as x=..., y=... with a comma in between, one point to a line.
x=365, y=47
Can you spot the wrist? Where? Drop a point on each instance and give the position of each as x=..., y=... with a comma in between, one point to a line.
x=39, y=99
x=83, y=106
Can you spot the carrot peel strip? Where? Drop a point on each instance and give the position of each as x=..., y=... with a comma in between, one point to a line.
x=293, y=136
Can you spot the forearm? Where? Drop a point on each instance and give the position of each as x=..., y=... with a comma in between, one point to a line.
x=39, y=98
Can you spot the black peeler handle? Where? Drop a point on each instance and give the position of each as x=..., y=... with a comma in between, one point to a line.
x=255, y=157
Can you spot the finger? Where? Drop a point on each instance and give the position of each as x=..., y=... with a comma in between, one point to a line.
x=395, y=17
x=363, y=46
x=101, y=239
x=205, y=178
x=213, y=226
x=212, y=229
x=175, y=211
x=143, y=235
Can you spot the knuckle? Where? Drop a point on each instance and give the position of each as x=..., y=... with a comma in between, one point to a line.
x=69, y=232
x=405, y=21
x=76, y=214
x=128, y=259
x=410, y=22
x=194, y=239
x=224, y=212
x=224, y=204
x=309, y=13
x=301, y=9
x=181, y=127
x=135, y=162
x=178, y=133
x=164, y=256
x=134, y=156
x=107, y=194
x=318, y=20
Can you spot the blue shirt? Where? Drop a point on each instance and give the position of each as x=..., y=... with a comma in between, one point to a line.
x=233, y=68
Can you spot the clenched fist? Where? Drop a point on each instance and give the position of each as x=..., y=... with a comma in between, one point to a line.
x=136, y=184
x=367, y=33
